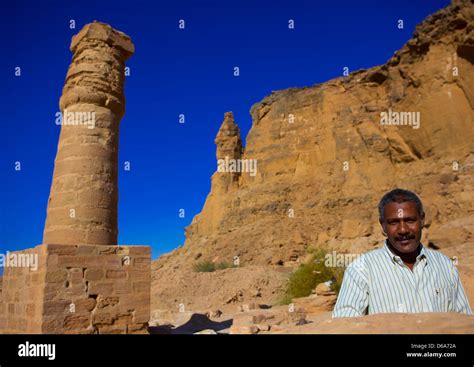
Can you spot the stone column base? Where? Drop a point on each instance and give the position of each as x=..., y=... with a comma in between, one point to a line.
x=82, y=289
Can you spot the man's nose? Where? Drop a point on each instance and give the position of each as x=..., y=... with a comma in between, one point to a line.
x=402, y=228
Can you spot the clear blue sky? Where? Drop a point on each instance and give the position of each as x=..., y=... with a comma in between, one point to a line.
x=173, y=71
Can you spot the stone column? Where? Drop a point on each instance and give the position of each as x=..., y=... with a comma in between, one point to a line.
x=82, y=282
x=82, y=206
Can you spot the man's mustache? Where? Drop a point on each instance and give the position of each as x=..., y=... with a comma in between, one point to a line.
x=404, y=238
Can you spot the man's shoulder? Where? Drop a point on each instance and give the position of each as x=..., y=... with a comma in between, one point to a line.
x=438, y=257
x=375, y=253
x=366, y=258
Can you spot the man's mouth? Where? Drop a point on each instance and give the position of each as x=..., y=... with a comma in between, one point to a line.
x=405, y=240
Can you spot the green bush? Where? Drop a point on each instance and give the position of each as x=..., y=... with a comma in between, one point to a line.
x=304, y=279
x=209, y=266
x=224, y=265
x=204, y=267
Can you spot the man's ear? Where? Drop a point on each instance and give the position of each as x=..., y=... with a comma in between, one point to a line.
x=422, y=220
x=384, y=231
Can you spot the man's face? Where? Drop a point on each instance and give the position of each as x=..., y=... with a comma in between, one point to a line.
x=403, y=226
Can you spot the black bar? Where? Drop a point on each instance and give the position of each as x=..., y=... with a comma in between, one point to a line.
x=319, y=350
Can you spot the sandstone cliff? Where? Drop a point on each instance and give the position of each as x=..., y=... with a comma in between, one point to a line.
x=325, y=157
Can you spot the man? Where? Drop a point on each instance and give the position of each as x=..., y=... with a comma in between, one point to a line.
x=403, y=275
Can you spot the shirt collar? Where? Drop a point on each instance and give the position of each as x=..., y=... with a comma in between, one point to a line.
x=396, y=259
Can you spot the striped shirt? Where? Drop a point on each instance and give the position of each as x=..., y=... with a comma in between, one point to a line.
x=379, y=282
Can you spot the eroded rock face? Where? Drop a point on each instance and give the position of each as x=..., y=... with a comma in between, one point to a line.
x=82, y=207
x=324, y=153
x=327, y=153
x=228, y=141
x=223, y=182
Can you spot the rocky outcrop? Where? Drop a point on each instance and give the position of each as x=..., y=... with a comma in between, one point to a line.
x=229, y=148
x=228, y=141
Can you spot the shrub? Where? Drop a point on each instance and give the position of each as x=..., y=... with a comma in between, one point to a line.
x=209, y=266
x=204, y=267
x=305, y=278
x=224, y=265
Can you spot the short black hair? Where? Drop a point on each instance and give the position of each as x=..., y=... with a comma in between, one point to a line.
x=399, y=196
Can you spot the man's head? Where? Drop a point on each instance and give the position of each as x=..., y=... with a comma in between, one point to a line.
x=402, y=217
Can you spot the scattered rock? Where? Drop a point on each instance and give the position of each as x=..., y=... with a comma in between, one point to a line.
x=206, y=331
x=248, y=306
x=215, y=314
x=244, y=329
x=324, y=289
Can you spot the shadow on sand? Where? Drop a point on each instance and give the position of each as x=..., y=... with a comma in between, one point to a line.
x=197, y=322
